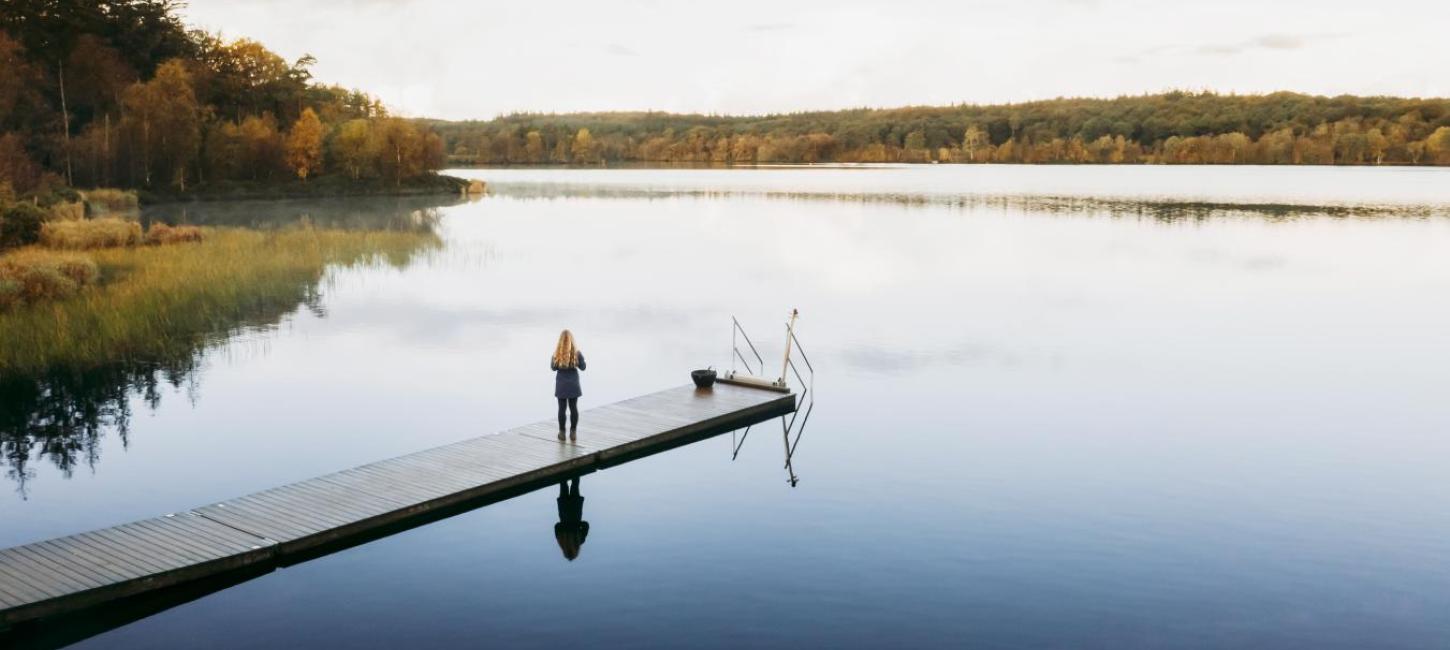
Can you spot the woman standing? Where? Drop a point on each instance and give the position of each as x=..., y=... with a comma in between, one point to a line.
x=566, y=364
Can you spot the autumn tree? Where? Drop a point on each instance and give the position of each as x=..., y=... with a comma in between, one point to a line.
x=164, y=122
x=17, y=171
x=243, y=77
x=433, y=156
x=304, y=145
x=972, y=142
x=352, y=148
x=262, y=146
x=534, y=147
x=584, y=147
x=224, y=151
x=1438, y=145
x=97, y=75
x=20, y=103
x=400, y=149
x=1376, y=145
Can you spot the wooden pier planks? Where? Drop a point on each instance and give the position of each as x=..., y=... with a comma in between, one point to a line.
x=92, y=567
x=86, y=569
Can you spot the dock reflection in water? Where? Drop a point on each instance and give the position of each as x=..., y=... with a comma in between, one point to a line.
x=570, y=533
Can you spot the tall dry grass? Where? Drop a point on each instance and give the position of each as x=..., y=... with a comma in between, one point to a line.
x=166, y=302
x=103, y=200
x=87, y=234
x=30, y=275
x=67, y=211
x=160, y=233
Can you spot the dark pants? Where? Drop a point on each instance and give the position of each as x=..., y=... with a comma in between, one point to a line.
x=573, y=404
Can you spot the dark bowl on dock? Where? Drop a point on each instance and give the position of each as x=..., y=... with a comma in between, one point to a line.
x=703, y=378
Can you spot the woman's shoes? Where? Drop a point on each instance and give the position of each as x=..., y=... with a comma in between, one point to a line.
x=573, y=435
x=561, y=434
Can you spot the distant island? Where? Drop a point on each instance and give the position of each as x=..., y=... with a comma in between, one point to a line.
x=1169, y=128
x=120, y=93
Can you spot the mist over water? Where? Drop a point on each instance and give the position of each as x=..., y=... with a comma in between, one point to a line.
x=1101, y=423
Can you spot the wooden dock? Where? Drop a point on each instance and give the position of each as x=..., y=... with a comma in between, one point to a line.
x=274, y=526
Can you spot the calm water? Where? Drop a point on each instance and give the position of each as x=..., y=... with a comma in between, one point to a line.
x=1052, y=413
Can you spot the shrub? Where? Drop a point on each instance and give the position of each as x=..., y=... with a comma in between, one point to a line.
x=160, y=233
x=67, y=211
x=66, y=194
x=21, y=225
x=30, y=276
x=91, y=233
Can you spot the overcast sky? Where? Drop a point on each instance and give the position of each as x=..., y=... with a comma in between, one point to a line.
x=476, y=59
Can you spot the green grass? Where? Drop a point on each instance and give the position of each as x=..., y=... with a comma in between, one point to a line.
x=158, y=304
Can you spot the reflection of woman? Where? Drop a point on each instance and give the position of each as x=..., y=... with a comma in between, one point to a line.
x=566, y=364
x=571, y=529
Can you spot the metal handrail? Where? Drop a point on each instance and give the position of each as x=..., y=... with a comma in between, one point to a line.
x=802, y=430
x=736, y=453
x=802, y=350
x=798, y=378
x=805, y=399
x=736, y=347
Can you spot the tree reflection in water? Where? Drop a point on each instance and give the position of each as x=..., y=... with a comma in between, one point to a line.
x=63, y=413
x=63, y=416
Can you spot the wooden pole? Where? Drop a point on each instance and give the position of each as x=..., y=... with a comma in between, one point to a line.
x=789, y=335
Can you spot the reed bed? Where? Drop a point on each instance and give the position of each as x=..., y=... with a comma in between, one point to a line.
x=87, y=234
x=167, y=302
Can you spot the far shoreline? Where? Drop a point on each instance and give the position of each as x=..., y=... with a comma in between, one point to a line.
x=318, y=188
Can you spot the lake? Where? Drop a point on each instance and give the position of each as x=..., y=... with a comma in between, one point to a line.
x=1088, y=407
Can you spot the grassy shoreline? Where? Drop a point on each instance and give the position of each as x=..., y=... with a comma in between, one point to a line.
x=157, y=304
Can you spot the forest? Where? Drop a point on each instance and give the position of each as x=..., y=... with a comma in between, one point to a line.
x=119, y=93
x=1169, y=128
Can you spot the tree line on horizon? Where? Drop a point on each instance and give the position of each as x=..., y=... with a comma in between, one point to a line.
x=121, y=93
x=1281, y=128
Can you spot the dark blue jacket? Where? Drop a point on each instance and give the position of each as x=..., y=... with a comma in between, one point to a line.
x=566, y=380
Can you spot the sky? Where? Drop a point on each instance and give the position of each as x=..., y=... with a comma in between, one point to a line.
x=460, y=59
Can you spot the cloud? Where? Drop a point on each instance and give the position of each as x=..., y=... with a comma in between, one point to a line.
x=1286, y=41
x=770, y=27
x=1218, y=49
x=620, y=50
x=1138, y=56
x=1266, y=42
x=1278, y=42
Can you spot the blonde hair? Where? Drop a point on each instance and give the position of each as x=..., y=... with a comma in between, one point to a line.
x=565, y=354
